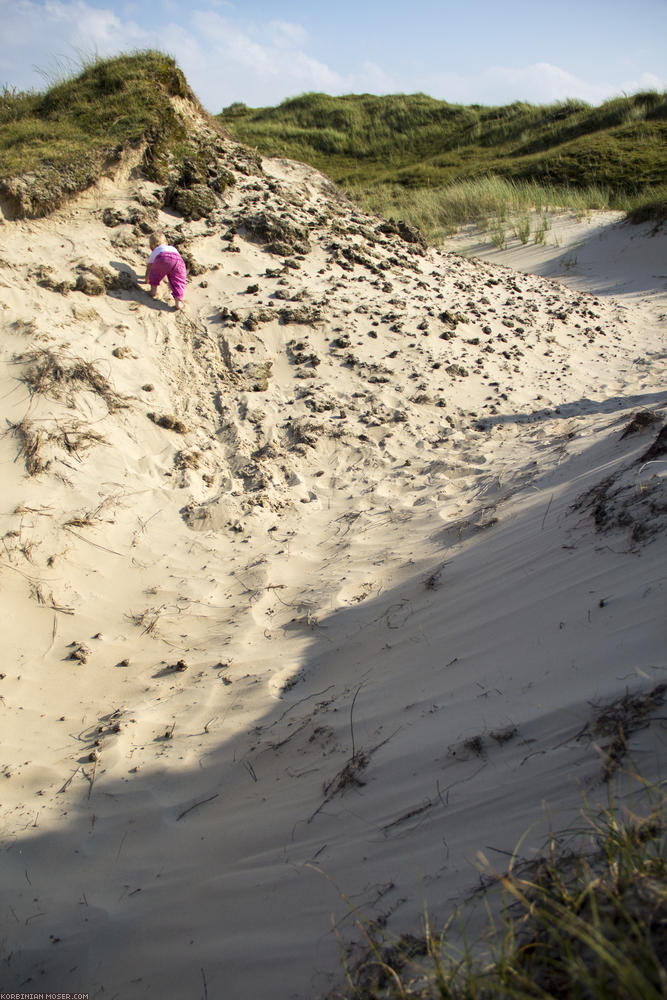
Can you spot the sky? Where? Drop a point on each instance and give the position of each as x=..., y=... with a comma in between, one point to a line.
x=261, y=52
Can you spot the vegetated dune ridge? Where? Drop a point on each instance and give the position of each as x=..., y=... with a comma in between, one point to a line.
x=311, y=591
x=421, y=142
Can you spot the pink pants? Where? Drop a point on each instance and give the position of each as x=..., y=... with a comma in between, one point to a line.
x=172, y=267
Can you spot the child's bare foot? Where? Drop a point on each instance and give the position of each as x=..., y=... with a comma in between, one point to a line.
x=178, y=304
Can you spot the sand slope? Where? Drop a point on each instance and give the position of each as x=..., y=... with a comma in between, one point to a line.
x=600, y=253
x=337, y=627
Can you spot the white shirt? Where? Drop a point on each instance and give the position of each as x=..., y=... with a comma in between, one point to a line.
x=162, y=248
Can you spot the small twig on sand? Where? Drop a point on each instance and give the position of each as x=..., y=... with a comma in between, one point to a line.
x=120, y=846
x=91, y=542
x=351, y=722
x=277, y=746
x=90, y=778
x=69, y=781
x=459, y=782
x=417, y=811
x=301, y=701
x=54, y=632
x=250, y=769
x=195, y=805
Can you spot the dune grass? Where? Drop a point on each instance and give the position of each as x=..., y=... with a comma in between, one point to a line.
x=110, y=103
x=435, y=164
x=416, y=140
x=56, y=143
x=484, y=202
x=585, y=922
x=441, y=165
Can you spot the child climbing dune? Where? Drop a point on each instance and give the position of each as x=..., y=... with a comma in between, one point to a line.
x=165, y=261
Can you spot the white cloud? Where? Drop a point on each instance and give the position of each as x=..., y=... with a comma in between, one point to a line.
x=229, y=60
x=228, y=57
x=540, y=83
x=286, y=35
x=225, y=58
x=49, y=37
x=370, y=79
x=647, y=81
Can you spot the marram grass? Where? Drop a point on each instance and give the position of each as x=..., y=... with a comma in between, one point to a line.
x=484, y=202
x=55, y=144
x=583, y=923
x=110, y=103
x=415, y=155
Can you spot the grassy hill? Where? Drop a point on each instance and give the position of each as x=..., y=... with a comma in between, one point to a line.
x=57, y=143
x=389, y=151
x=434, y=164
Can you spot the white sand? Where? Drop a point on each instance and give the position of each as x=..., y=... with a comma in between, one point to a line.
x=363, y=584
x=599, y=253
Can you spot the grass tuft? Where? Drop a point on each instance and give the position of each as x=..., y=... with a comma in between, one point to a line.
x=586, y=922
x=485, y=202
x=55, y=144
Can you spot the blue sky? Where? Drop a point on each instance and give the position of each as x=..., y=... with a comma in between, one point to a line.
x=260, y=52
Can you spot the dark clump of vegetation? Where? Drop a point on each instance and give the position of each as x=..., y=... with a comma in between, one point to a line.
x=55, y=144
x=653, y=208
x=390, y=152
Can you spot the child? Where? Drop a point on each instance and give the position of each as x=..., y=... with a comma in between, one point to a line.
x=165, y=261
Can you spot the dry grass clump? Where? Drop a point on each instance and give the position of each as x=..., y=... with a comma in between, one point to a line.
x=90, y=518
x=59, y=376
x=188, y=460
x=619, y=719
x=35, y=442
x=31, y=441
x=626, y=502
x=587, y=923
x=147, y=620
x=168, y=421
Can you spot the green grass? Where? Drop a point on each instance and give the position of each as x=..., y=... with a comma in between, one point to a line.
x=434, y=164
x=69, y=133
x=109, y=104
x=378, y=148
x=416, y=140
x=484, y=202
x=586, y=922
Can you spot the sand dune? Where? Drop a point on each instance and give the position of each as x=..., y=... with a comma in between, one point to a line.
x=600, y=253
x=311, y=590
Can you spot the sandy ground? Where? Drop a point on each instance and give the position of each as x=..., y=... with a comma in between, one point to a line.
x=599, y=253
x=346, y=620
